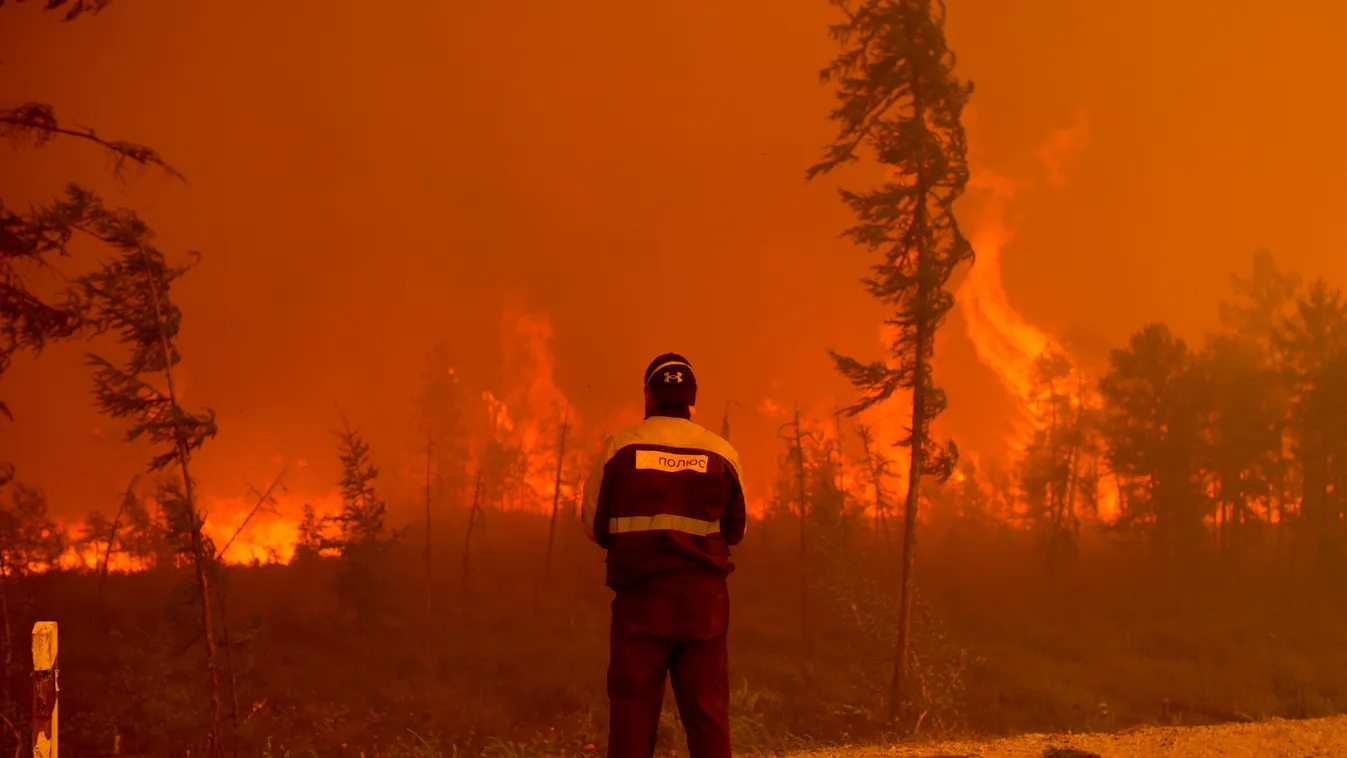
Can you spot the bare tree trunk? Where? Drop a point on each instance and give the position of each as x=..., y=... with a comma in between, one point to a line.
x=220, y=591
x=198, y=546
x=430, y=448
x=841, y=461
x=127, y=499
x=881, y=510
x=897, y=704
x=1054, y=492
x=9, y=640
x=262, y=499
x=467, y=539
x=804, y=564
x=1077, y=447
x=923, y=328
x=1123, y=506
x=884, y=525
x=203, y=589
x=556, y=494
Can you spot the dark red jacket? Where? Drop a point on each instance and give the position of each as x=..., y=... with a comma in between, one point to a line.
x=667, y=496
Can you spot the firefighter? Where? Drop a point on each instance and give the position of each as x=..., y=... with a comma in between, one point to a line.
x=667, y=502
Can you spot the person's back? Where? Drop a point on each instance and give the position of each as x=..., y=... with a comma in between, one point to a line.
x=667, y=502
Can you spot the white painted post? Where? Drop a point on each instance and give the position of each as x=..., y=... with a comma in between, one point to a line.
x=45, y=688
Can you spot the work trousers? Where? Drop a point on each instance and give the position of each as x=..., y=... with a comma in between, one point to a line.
x=675, y=627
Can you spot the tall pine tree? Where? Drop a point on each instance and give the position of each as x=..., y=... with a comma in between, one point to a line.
x=897, y=93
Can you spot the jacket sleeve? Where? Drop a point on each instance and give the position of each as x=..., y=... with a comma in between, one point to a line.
x=593, y=486
x=735, y=519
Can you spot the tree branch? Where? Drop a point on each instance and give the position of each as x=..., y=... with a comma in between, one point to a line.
x=77, y=7
x=37, y=123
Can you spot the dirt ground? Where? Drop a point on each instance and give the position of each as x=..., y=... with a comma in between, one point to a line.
x=1316, y=738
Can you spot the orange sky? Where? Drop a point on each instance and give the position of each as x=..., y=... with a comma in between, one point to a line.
x=366, y=178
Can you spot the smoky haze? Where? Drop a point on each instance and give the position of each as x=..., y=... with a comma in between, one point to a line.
x=554, y=193
x=366, y=180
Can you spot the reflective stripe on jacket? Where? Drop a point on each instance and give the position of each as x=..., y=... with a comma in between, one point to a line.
x=667, y=495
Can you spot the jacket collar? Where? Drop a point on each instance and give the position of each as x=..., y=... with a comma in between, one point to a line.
x=671, y=411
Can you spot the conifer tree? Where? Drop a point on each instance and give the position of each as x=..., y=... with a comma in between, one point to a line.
x=1265, y=301
x=1153, y=418
x=1314, y=340
x=1049, y=470
x=32, y=240
x=130, y=295
x=363, y=540
x=1242, y=440
x=310, y=535
x=897, y=92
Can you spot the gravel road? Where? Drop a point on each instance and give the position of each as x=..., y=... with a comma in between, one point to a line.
x=1316, y=738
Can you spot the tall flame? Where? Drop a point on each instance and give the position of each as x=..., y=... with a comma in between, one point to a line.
x=531, y=410
x=1004, y=340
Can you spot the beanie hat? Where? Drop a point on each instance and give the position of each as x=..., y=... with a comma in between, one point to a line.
x=671, y=381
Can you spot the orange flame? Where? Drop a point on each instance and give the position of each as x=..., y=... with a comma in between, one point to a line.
x=533, y=409
x=526, y=415
x=1004, y=340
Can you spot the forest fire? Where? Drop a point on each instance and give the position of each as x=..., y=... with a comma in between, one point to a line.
x=530, y=416
x=520, y=440
x=1005, y=341
x=518, y=446
x=353, y=531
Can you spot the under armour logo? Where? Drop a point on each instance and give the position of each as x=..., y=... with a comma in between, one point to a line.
x=674, y=377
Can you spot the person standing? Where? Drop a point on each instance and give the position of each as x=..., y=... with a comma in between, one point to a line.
x=667, y=502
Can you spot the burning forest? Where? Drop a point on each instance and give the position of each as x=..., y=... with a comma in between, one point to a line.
x=1065, y=460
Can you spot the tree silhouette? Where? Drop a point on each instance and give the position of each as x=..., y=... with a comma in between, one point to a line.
x=1152, y=424
x=897, y=92
x=363, y=540
x=73, y=8
x=441, y=410
x=30, y=241
x=1313, y=341
x=1052, y=459
x=310, y=539
x=874, y=470
x=130, y=295
x=1242, y=440
x=1265, y=299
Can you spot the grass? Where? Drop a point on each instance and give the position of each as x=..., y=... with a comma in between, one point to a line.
x=496, y=673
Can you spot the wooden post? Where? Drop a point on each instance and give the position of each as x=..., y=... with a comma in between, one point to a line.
x=45, y=687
